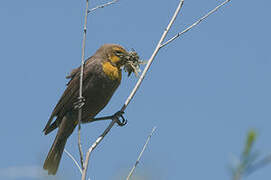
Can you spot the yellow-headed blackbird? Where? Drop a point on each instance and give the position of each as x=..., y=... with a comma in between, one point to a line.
x=102, y=76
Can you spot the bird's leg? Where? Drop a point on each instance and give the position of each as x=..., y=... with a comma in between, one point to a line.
x=117, y=115
x=80, y=103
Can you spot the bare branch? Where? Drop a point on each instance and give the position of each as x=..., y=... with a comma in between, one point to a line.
x=196, y=23
x=158, y=46
x=81, y=85
x=80, y=146
x=102, y=6
x=143, y=149
x=73, y=159
x=94, y=145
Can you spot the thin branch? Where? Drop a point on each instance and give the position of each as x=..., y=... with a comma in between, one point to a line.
x=102, y=6
x=158, y=46
x=79, y=141
x=196, y=23
x=81, y=85
x=94, y=145
x=139, y=157
x=84, y=166
x=73, y=159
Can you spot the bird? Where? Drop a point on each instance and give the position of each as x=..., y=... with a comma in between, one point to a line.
x=101, y=77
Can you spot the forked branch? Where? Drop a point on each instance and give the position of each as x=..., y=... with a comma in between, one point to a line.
x=81, y=85
x=194, y=24
x=102, y=6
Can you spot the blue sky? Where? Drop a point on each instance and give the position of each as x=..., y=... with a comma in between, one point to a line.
x=203, y=92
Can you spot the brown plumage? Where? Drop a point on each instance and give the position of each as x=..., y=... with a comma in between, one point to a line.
x=102, y=76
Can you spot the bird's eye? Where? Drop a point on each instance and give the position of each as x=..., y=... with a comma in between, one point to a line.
x=119, y=53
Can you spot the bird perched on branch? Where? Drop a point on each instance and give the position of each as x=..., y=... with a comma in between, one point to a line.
x=101, y=77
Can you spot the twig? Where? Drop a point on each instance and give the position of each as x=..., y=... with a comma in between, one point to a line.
x=138, y=159
x=196, y=23
x=79, y=143
x=81, y=85
x=75, y=162
x=102, y=6
x=158, y=46
x=94, y=145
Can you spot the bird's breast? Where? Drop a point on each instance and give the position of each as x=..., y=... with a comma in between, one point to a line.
x=99, y=89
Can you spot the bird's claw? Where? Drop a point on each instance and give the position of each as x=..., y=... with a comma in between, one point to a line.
x=119, y=115
x=79, y=103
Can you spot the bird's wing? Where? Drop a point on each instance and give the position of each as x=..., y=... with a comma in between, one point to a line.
x=71, y=93
x=73, y=73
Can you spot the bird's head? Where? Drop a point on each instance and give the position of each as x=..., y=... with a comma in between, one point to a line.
x=117, y=55
x=121, y=58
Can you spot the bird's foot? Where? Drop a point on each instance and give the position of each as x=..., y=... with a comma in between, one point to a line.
x=79, y=103
x=119, y=115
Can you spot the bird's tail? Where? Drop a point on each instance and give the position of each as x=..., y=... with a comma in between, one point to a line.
x=54, y=156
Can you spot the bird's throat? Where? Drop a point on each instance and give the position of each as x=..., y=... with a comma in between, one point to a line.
x=111, y=71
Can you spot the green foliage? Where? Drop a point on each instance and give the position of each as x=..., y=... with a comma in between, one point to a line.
x=251, y=138
x=247, y=158
x=249, y=161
